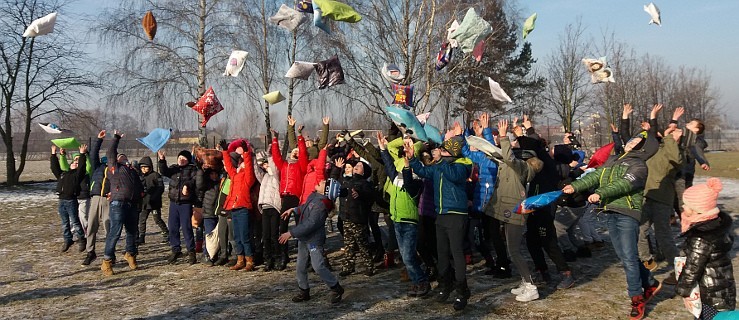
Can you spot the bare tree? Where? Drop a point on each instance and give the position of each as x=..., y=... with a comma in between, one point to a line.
x=38, y=76
x=568, y=89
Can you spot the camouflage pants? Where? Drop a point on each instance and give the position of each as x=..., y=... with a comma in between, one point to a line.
x=355, y=241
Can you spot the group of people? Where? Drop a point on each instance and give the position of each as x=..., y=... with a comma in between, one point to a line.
x=440, y=202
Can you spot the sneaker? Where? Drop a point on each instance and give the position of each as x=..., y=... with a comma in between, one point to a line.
x=413, y=291
x=443, y=295
x=192, y=258
x=172, y=258
x=91, y=256
x=336, y=292
x=541, y=277
x=459, y=303
x=530, y=293
x=66, y=246
x=650, y=264
x=650, y=292
x=500, y=272
x=671, y=280
x=423, y=289
x=567, y=281
x=519, y=290
x=221, y=261
x=131, y=259
x=637, y=307
x=82, y=244
x=231, y=263
x=303, y=295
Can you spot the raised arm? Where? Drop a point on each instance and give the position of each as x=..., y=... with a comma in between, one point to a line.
x=323, y=140
x=54, y=160
x=292, y=142
x=276, y=156
x=625, y=126
x=162, y=164
x=113, y=150
x=228, y=164
x=82, y=163
x=95, y=151
x=302, y=154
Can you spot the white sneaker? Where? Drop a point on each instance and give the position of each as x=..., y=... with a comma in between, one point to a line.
x=519, y=290
x=530, y=293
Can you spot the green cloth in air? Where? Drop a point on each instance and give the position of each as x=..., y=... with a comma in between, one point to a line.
x=338, y=11
x=529, y=25
x=66, y=143
x=471, y=31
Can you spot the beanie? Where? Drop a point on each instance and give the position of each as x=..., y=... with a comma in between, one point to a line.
x=702, y=199
x=332, y=190
x=185, y=154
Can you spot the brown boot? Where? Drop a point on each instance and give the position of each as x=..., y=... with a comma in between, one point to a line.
x=107, y=267
x=131, y=261
x=249, y=264
x=240, y=263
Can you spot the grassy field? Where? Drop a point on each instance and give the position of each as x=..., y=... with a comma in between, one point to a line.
x=723, y=164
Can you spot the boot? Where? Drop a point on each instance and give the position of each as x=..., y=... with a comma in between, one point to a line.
x=66, y=245
x=192, y=258
x=389, y=259
x=283, y=262
x=240, y=263
x=445, y=288
x=141, y=240
x=489, y=261
x=637, y=307
x=173, y=257
x=463, y=293
x=221, y=261
x=404, y=275
x=89, y=258
x=249, y=264
x=199, y=246
x=270, y=265
x=336, y=292
x=131, y=259
x=231, y=263
x=303, y=295
x=82, y=244
x=107, y=267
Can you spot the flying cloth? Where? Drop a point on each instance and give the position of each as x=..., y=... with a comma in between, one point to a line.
x=300, y=70
x=471, y=31
x=433, y=134
x=235, y=63
x=273, y=97
x=66, y=143
x=452, y=28
x=329, y=72
x=50, y=128
x=654, y=14
x=305, y=6
x=403, y=95
x=392, y=73
x=41, y=26
x=530, y=204
x=288, y=18
x=337, y=11
x=149, y=24
x=208, y=105
x=601, y=155
x=444, y=56
x=156, y=139
x=318, y=19
x=485, y=146
x=498, y=92
x=478, y=50
x=529, y=25
x=407, y=122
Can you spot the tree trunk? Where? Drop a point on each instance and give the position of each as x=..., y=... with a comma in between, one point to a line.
x=202, y=137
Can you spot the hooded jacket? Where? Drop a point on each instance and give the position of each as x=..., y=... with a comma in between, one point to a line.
x=315, y=173
x=357, y=210
x=69, y=181
x=241, y=182
x=620, y=181
x=99, y=183
x=153, y=186
x=404, y=190
x=269, y=193
x=291, y=172
x=210, y=193
x=311, y=219
x=488, y=173
x=664, y=167
x=708, y=263
x=179, y=177
x=85, y=182
x=510, y=190
x=449, y=180
x=125, y=183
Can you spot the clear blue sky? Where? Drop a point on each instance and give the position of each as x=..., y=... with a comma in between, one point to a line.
x=694, y=33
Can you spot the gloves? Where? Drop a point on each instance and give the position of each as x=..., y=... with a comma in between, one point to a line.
x=223, y=144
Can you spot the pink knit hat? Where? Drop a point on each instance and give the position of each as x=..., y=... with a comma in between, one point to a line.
x=702, y=199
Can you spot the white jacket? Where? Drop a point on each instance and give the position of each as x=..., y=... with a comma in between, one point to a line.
x=269, y=193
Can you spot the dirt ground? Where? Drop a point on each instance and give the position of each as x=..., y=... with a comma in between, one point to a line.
x=38, y=282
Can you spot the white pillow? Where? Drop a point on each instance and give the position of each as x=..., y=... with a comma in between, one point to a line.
x=235, y=63
x=41, y=26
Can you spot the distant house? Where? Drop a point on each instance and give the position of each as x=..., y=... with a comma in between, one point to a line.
x=181, y=137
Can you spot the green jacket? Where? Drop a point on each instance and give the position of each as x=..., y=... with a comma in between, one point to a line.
x=404, y=190
x=663, y=169
x=510, y=188
x=292, y=141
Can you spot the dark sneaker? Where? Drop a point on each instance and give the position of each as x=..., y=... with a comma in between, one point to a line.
x=303, y=295
x=82, y=244
x=231, y=263
x=336, y=292
x=413, y=291
x=221, y=261
x=91, y=256
x=671, y=280
x=500, y=272
x=173, y=257
x=192, y=258
x=570, y=256
x=637, y=307
x=567, y=281
x=460, y=303
x=650, y=292
x=66, y=246
x=423, y=289
x=442, y=296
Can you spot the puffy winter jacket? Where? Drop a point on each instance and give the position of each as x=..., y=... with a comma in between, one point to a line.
x=99, y=183
x=125, y=183
x=85, y=182
x=708, y=264
x=357, y=210
x=153, y=186
x=269, y=193
x=315, y=173
x=68, y=182
x=291, y=173
x=449, y=178
x=211, y=191
x=664, y=167
x=314, y=150
x=426, y=203
x=488, y=173
x=513, y=175
x=179, y=177
x=404, y=190
x=311, y=218
x=241, y=182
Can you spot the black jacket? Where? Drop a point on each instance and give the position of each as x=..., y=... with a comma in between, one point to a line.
x=153, y=186
x=209, y=195
x=68, y=182
x=356, y=210
x=99, y=183
x=708, y=263
x=125, y=183
x=179, y=177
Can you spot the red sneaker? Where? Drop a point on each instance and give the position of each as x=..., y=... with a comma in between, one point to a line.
x=637, y=307
x=652, y=291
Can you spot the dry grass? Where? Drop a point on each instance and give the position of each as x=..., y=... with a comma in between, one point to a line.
x=723, y=164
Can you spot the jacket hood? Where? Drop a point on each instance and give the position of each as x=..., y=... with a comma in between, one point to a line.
x=648, y=149
x=146, y=161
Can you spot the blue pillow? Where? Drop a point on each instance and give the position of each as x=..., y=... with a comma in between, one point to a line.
x=407, y=122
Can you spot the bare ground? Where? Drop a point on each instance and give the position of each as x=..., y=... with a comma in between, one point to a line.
x=38, y=282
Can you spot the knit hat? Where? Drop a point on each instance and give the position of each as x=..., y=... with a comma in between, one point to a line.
x=453, y=146
x=333, y=189
x=185, y=154
x=702, y=199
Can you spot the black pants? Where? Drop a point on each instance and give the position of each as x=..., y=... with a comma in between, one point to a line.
x=157, y=214
x=495, y=236
x=476, y=239
x=541, y=236
x=270, y=233
x=374, y=218
x=255, y=231
x=450, y=244
x=427, y=240
x=288, y=201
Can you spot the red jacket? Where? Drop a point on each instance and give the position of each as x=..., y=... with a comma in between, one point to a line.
x=316, y=173
x=241, y=182
x=291, y=174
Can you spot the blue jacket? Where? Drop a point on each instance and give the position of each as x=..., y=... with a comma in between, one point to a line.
x=449, y=179
x=312, y=219
x=99, y=182
x=483, y=189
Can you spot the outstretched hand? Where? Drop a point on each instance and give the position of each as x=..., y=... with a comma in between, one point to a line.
x=326, y=120
x=381, y=141
x=101, y=134
x=339, y=162
x=484, y=120
x=503, y=126
x=83, y=149
x=285, y=215
x=679, y=111
x=526, y=122
x=628, y=109
x=291, y=121
x=656, y=108
x=53, y=149
x=162, y=154
x=408, y=148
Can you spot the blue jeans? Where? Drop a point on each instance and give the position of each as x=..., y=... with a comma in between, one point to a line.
x=70, y=219
x=209, y=225
x=122, y=214
x=240, y=218
x=407, y=235
x=624, y=232
x=180, y=217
